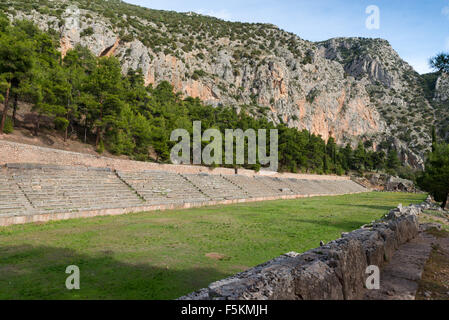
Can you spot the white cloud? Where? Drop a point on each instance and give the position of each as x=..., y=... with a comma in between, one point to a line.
x=447, y=43
x=445, y=11
x=220, y=14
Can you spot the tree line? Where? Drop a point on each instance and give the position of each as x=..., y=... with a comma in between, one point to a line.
x=91, y=96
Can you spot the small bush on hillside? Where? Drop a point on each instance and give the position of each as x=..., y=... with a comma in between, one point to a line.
x=127, y=38
x=87, y=32
x=198, y=74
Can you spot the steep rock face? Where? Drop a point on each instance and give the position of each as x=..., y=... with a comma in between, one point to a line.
x=348, y=88
x=359, y=62
x=442, y=88
x=393, y=87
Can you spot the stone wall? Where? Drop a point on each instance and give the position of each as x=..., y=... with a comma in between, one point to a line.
x=335, y=271
x=11, y=152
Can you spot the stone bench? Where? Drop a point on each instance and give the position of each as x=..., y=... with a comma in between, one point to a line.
x=216, y=187
x=159, y=187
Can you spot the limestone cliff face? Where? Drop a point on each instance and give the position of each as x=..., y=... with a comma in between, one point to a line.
x=348, y=89
x=442, y=88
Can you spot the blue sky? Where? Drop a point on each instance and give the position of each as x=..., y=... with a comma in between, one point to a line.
x=417, y=29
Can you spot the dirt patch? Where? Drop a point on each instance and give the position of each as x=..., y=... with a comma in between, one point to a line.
x=215, y=256
x=107, y=252
x=39, y=223
x=11, y=269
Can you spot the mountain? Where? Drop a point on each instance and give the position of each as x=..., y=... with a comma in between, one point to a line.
x=346, y=88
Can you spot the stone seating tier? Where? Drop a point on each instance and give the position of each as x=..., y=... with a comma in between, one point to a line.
x=28, y=189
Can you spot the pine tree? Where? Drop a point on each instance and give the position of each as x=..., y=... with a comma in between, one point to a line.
x=378, y=160
x=440, y=62
x=359, y=157
x=104, y=83
x=346, y=157
x=331, y=149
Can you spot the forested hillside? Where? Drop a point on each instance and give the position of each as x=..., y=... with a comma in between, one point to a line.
x=120, y=113
x=350, y=89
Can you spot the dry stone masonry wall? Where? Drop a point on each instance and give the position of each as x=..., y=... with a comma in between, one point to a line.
x=335, y=271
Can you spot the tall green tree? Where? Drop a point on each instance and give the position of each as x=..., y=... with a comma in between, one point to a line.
x=378, y=160
x=105, y=84
x=331, y=150
x=440, y=62
x=393, y=161
x=359, y=157
x=15, y=63
x=346, y=157
x=48, y=97
x=79, y=63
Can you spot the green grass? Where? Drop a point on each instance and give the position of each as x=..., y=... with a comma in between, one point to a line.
x=162, y=255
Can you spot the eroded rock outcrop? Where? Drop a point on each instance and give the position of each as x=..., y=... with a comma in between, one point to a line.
x=385, y=182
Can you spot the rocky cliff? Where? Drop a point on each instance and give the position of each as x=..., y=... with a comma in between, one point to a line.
x=348, y=88
x=440, y=99
x=442, y=88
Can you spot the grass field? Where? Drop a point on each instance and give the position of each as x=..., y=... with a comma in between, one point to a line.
x=163, y=255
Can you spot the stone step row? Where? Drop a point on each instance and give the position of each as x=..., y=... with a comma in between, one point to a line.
x=158, y=187
x=216, y=187
x=65, y=190
x=12, y=199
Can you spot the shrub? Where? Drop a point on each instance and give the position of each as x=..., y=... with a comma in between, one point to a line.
x=312, y=95
x=198, y=74
x=308, y=59
x=61, y=123
x=100, y=148
x=339, y=170
x=127, y=38
x=9, y=127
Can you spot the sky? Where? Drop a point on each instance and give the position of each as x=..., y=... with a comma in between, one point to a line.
x=417, y=29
